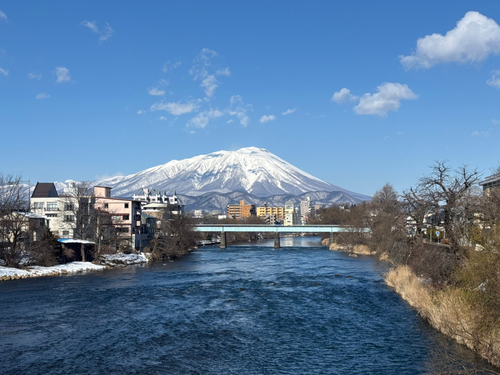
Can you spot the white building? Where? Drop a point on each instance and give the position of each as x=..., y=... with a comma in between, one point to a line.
x=61, y=211
x=292, y=214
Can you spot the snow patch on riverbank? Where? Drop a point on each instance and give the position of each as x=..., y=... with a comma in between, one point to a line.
x=121, y=260
x=7, y=273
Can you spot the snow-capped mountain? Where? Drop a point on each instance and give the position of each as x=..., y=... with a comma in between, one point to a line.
x=251, y=170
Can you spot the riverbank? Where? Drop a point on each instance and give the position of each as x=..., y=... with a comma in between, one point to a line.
x=447, y=311
x=102, y=263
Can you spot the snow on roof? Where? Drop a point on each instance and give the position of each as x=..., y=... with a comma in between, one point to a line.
x=69, y=240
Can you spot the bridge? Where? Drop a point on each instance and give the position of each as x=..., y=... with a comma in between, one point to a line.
x=276, y=229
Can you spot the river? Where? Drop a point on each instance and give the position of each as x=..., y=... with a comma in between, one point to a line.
x=249, y=309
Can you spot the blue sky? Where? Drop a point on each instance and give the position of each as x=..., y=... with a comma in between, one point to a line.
x=357, y=93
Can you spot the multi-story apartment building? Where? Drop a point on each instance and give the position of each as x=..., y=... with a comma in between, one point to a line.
x=306, y=210
x=271, y=215
x=240, y=211
x=292, y=215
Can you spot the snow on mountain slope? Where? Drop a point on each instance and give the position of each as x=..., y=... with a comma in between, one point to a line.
x=252, y=170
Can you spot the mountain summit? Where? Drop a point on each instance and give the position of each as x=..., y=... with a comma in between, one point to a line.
x=251, y=169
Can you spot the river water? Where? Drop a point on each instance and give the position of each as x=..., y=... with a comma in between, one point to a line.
x=249, y=309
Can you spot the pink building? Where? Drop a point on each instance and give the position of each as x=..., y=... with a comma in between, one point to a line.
x=125, y=215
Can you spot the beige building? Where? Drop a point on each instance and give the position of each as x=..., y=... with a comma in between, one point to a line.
x=271, y=214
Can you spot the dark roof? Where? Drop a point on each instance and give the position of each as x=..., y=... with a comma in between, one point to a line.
x=44, y=190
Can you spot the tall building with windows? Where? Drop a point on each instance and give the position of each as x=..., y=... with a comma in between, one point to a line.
x=306, y=210
x=240, y=211
x=292, y=214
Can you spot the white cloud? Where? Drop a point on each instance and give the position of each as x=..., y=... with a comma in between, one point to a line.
x=162, y=118
x=230, y=121
x=478, y=133
x=43, y=95
x=209, y=84
x=4, y=72
x=3, y=16
x=37, y=76
x=386, y=99
x=141, y=111
x=92, y=25
x=156, y=92
x=473, y=39
x=239, y=109
x=494, y=81
x=175, y=109
x=169, y=66
x=202, y=119
x=267, y=118
x=344, y=95
x=289, y=111
x=62, y=74
x=104, y=34
x=495, y=122
x=205, y=69
x=223, y=72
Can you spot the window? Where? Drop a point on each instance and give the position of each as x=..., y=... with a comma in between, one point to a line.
x=126, y=205
x=69, y=218
x=38, y=205
x=51, y=215
x=106, y=205
x=126, y=217
x=122, y=230
x=51, y=206
x=65, y=233
x=69, y=207
x=115, y=218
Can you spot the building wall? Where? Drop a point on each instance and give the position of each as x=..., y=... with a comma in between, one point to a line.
x=241, y=211
x=277, y=212
x=60, y=212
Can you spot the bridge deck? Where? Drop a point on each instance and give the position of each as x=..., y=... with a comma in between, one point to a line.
x=276, y=228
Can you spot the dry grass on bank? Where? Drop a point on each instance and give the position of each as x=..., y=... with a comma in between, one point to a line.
x=447, y=311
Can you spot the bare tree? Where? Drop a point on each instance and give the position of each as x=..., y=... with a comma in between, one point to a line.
x=13, y=226
x=451, y=191
x=175, y=237
x=415, y=206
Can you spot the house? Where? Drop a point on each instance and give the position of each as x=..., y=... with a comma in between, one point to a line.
x=120, y=216
x=64, y=212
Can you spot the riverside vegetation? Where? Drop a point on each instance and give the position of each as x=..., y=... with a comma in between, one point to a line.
x=453, y=282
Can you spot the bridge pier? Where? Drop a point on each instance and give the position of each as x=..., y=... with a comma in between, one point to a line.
x=223, y=240
x=277, y=240
x=331, y=238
